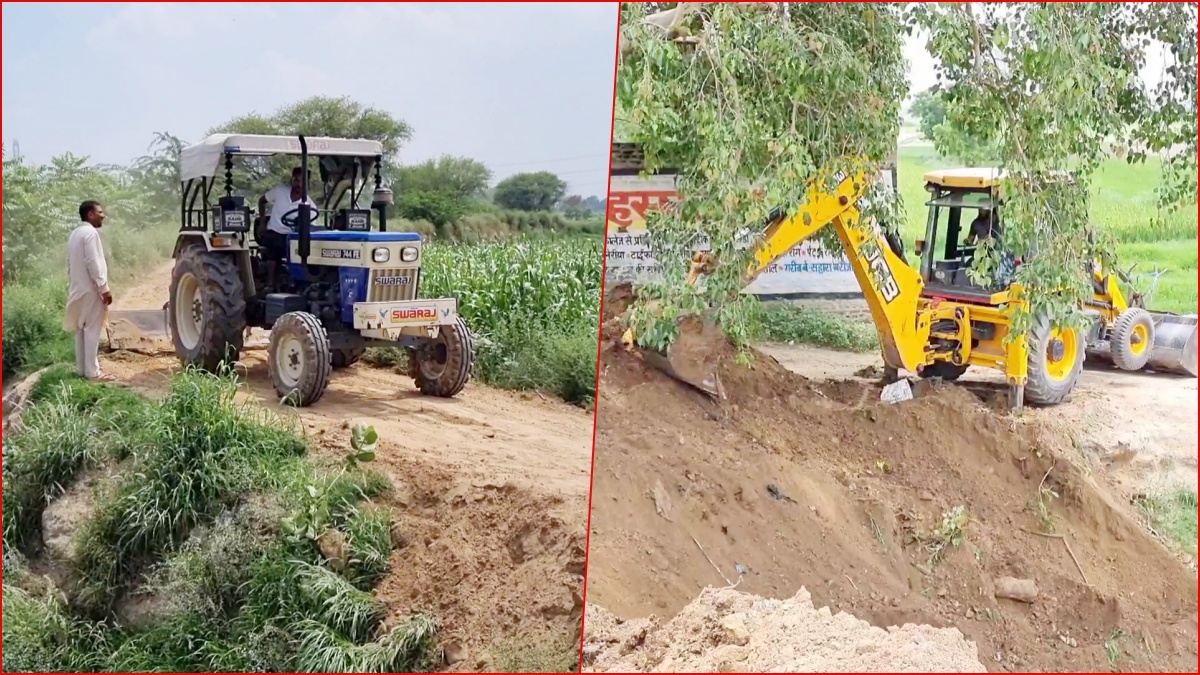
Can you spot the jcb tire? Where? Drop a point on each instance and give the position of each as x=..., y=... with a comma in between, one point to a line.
x=1132, y=339
x=298, y=358
x=344, y=358
x=1054, y=363
x=443, y=366
x=943, y=369
x=206, y=312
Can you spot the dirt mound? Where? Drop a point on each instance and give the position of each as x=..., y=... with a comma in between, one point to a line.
x=492, y=561
x=727, y=631
x=897, y=514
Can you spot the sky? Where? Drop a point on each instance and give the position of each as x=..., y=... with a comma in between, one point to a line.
x=520, y=87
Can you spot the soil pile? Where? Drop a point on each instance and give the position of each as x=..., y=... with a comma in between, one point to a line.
x=727, y=631
x=905, y=513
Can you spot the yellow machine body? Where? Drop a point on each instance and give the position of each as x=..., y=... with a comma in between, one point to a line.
x=930, y=320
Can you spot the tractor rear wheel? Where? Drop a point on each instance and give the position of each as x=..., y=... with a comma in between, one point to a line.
x=442, y=366
x=298, y=358
x=1055, y=361
x=206, y=309
x=344, y=358
x=1132, y=339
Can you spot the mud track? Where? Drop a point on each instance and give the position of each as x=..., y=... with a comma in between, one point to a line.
x=803, y=483
x=491, y=487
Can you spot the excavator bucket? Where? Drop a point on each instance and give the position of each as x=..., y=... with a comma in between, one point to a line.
x=682, y=362
x=1175, y=348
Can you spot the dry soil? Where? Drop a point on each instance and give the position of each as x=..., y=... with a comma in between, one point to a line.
x=792, y=483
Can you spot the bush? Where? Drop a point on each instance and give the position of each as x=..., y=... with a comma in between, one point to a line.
x=33, y=331
x=220, y=498
x=805, y=325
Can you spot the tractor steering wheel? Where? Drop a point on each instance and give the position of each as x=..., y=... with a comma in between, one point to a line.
x=291, y=219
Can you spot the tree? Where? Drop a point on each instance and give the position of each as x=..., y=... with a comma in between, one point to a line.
x=1053, y=86
x=772, y=94
x=339, y=117
x=459, y=177
x=737, y=95
x=929, y=111
x=573, y=206
x=538, y=191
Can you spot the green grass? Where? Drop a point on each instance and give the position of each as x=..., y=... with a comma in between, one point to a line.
x=792, y=324
x=1173, y=514
x=216, y=511
x=533, y=304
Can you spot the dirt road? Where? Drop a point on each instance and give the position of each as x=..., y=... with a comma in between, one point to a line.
x=492, y=487
x=1141, y=427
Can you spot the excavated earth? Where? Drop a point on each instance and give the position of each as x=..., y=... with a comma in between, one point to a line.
x=790, y=483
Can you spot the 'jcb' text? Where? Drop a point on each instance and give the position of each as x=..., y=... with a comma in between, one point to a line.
x=887, y=283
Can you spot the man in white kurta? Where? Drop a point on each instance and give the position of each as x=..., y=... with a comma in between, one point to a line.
x=88, y=295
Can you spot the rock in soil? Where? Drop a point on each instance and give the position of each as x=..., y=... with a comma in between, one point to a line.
x=1021, y=590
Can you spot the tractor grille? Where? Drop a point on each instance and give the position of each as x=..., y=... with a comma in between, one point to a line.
x=381, y=288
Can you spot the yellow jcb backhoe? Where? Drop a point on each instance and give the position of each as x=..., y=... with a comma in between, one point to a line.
x=933, y=321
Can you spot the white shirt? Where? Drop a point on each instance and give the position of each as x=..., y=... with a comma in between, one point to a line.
x=280, y=198
x=87, y=271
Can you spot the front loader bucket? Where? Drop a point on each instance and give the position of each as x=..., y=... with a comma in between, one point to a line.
x=1174, y=344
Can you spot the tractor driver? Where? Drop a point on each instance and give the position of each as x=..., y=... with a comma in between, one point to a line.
x=285, y=201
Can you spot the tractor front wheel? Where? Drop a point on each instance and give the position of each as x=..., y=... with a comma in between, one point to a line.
x=1132, y=339
x=206, y=310
x=1055, y=361
x=442, y=366
x=298, y=358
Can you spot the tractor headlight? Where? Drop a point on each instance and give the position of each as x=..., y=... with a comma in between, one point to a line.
x=381, y=254
x=408, y=254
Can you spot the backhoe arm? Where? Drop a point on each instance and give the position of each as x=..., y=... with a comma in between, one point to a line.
x=891, y=287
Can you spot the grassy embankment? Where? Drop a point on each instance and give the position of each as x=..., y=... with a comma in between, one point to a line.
x=214, y=545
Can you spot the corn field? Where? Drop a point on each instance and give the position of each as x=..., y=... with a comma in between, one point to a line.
x=533, y=305
x=539, y=284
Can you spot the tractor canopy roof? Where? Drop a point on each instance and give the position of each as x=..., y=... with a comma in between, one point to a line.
x=978, y=178
x=206, y=158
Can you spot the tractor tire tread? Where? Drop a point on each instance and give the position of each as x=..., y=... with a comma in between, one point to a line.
x=1121, y=339
x=224, y=307
x=315, y=343
x=460, y=362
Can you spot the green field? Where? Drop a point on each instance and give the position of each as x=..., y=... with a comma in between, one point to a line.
x=1123, y=204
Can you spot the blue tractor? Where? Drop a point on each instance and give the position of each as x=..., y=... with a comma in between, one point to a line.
x=335, y=283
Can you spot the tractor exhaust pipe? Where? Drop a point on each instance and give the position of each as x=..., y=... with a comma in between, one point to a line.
x=304, y=224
